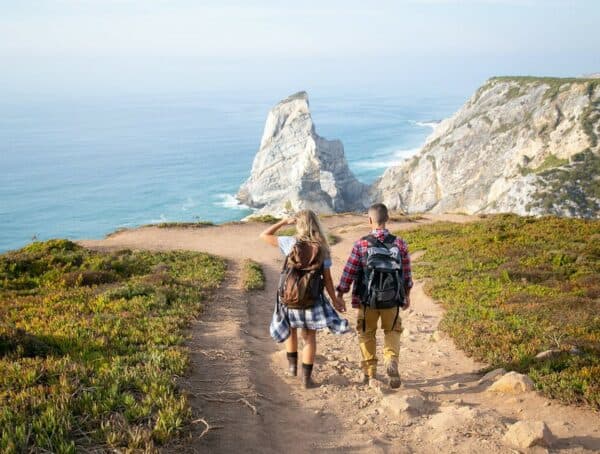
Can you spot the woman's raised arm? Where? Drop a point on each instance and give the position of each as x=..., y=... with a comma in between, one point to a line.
x=268, y=235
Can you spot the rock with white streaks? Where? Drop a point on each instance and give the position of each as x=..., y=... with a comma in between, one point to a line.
x=525, y=145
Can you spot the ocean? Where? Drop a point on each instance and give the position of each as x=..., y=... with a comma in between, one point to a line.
x=82, y=166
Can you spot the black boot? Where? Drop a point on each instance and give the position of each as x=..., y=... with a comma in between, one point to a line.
x=306, y=376
x=292, y=363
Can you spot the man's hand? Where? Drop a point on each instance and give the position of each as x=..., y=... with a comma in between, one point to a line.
x=406, y=303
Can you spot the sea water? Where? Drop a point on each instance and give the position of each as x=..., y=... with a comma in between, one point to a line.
x=83, y=166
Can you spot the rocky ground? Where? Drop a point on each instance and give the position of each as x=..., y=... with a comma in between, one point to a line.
x=242, y=399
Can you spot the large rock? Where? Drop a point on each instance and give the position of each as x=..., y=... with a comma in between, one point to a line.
x=512, y=383
x=411, y=402
x=451, y=417
x=520, y=144
x=295, y=168
x=526, y=434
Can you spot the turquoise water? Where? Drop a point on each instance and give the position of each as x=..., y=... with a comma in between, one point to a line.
x=82, y=167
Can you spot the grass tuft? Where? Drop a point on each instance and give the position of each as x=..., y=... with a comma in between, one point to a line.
x=253, y=277
x=264, y=218
x=182, y=225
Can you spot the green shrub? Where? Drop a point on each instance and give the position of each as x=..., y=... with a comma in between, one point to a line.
x=91, y=343
x=514, y=287
x=264, y=218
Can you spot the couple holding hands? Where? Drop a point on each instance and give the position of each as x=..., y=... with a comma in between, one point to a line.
x=379, y=272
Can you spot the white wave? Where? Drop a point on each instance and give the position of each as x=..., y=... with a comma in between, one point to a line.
x=160, y=220
x=393, y=159
x=188, y=204
x=427, y=124
x=229, y=201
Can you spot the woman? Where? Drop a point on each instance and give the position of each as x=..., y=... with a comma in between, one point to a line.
x=286, y=321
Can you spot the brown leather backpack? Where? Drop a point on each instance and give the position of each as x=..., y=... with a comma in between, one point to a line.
x=301, y=279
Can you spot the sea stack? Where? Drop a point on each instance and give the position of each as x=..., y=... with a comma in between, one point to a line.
x=295, y=168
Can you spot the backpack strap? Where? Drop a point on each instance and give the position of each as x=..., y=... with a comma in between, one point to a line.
x=388, y=241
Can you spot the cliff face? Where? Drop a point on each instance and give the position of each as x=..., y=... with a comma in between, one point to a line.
x=520, y=144
x=295, y=168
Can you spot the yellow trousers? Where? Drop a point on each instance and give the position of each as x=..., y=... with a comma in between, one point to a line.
x=367, y=341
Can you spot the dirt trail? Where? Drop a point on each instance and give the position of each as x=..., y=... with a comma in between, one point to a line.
x=237, y=381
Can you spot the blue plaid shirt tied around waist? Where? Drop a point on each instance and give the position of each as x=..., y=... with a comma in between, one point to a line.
x=321, y=315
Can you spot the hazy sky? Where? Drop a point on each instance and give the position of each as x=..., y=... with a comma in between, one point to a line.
x=245, y=43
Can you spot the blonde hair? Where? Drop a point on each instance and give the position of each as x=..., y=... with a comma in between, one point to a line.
x=309, y=228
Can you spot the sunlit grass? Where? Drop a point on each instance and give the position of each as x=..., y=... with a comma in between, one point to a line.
x=91, y=343
x=253, y=277
x=514, y=287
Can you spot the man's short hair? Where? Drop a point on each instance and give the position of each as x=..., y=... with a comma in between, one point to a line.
x=378, y=213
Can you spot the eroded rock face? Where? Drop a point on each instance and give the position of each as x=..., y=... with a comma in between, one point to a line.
x=295, y=168
x=521, y=145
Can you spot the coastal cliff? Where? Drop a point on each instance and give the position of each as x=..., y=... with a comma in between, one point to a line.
x=295, y=168
x=520, y=144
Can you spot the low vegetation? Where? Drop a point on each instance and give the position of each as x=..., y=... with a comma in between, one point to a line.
x=514, y=287
x=182, y=225
x=264, y=218
x=550, y=162
x=253, y=277
x=576, y=183
x=91, y=343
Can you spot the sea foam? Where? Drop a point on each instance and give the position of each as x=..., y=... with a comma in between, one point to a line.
x=383, y=162
x=229, y=201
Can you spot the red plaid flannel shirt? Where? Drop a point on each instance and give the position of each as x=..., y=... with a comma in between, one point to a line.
x=358, y=259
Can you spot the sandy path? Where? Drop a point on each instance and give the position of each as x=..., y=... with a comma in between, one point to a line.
x=237, y=381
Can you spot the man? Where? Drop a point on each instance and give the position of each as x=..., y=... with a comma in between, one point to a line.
x=368, y=316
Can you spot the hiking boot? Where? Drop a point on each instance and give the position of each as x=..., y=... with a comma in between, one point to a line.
x=292, y=364
x=365, y=379
x=307, y=381
x=393, y=375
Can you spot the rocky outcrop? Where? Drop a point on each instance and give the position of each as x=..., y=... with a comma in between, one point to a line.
x=295, y=168
x=526, y=434
x=520, y=144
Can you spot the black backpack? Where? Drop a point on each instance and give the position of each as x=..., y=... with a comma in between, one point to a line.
x=381, y=284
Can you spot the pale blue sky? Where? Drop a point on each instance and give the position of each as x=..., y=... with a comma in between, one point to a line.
x=200, y=44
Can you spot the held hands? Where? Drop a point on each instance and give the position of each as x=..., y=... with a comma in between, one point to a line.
x=339, y=303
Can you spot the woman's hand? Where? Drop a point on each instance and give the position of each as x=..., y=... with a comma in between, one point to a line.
x=289, y=221
x=339, y=304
